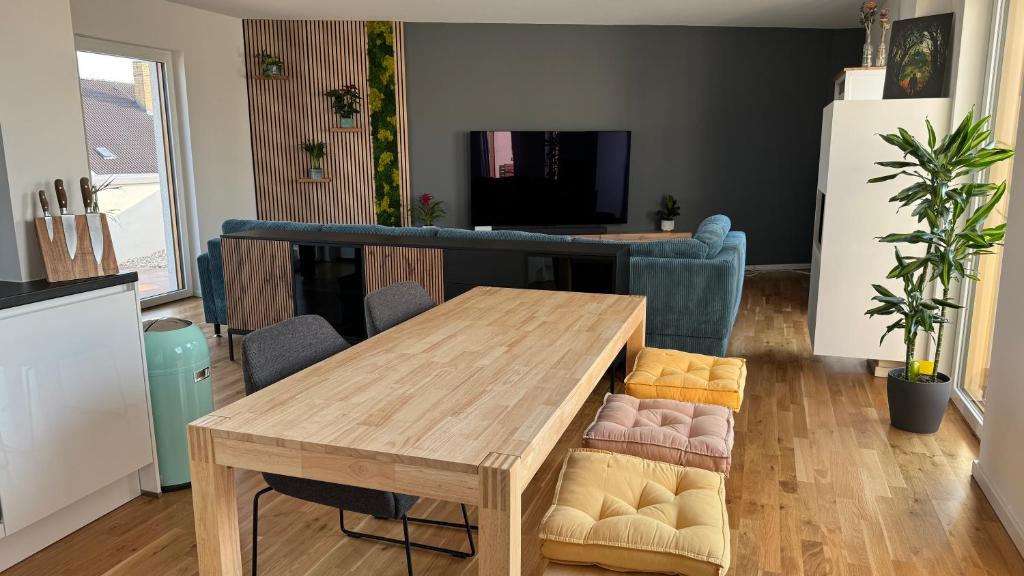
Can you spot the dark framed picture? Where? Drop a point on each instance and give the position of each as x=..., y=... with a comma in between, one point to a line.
x=919, y=58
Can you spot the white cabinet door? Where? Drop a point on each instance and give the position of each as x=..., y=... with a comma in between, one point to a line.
x=73, y=403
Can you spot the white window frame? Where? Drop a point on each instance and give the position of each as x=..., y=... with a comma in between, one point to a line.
x=183, y=194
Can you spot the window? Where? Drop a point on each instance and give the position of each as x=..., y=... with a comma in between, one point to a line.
x=129, y=128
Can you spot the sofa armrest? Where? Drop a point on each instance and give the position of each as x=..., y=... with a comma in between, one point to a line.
x=213, y=290
x=206, y=287
x=687, y=297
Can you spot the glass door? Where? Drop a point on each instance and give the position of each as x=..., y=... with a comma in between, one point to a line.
x=128, y=127
x=975, y=338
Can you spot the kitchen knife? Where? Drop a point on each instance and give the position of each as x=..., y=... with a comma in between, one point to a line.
x=92, y=218
x=68, y=220
x=47, y=217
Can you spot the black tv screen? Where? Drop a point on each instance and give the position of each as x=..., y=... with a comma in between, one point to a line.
x=548, y=178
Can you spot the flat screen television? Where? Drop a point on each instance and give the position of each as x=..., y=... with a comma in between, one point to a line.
x=551, y=178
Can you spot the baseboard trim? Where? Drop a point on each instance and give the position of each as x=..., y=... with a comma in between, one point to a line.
x=765, y=267
x=1014, y=526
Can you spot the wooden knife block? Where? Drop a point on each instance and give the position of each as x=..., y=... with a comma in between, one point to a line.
x=61, y=265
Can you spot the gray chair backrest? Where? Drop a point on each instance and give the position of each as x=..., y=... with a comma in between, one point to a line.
x=276, y=352
x=389, y=307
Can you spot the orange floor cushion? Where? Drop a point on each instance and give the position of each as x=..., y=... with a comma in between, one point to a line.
x=629, y=514
x=688, y=377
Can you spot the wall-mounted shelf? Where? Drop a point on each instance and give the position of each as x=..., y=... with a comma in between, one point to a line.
x=279, y=77
x=314, y=180
x=340, y=129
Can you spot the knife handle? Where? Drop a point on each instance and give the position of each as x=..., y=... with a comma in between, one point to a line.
x=62, y=195
x=86, y=194
x=44, y=203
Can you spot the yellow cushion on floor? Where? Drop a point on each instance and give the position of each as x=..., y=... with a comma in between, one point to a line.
x=629, y=514
x=687, y=377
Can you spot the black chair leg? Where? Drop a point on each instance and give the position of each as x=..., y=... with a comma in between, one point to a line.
x=405, y=519
x=256, y=524
x=231, y=347
x=408, y=544
x=216, y=330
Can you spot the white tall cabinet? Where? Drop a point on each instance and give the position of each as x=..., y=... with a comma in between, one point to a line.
x=76, y=437
x=851, y=214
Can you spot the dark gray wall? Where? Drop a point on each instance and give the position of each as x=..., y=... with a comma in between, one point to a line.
x=725, y=119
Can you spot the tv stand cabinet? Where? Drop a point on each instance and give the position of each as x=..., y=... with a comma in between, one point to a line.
x=272, y=275
x=638, y=236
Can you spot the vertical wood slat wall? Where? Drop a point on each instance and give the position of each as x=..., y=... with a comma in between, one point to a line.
x=387, y=265
x=318, y=56
x=257, y=282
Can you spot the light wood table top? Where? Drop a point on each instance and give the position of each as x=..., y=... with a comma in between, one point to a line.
x=461, y=403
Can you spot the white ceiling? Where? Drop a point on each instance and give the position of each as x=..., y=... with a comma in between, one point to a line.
x=767, y=13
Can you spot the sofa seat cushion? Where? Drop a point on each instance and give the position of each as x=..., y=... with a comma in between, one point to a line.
x=688, y=377
x=625, y=513
x=681, y=433
x=682, y=248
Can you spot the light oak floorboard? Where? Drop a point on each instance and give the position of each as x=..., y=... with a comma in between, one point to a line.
x=820, y=484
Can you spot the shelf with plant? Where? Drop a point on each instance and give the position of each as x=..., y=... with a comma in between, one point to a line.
x=316, y=152
x=270, y=67
x=951, y=205
x=345, y=104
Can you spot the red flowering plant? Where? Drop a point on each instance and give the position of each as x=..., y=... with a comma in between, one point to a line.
x=428, y=210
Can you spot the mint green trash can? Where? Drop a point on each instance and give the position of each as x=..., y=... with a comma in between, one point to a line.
x=178, y=361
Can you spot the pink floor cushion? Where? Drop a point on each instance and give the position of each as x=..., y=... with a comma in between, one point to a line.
x=681, y=433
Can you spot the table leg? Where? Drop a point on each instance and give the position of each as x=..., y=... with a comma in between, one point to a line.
x=636, y=340
x=500, y=516
x=214, y=507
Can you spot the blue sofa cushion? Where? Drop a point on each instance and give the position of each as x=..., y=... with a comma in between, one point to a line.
x=409, y=231
x=684, y=248
x=500, y=235
x=353, y=228
x=712, y=232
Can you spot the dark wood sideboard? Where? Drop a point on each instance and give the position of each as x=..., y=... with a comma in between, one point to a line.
x=272, y=275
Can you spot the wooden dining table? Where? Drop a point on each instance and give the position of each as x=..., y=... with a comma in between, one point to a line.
x=462, y=403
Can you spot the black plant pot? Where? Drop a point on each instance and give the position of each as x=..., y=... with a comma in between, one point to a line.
x=917, y=406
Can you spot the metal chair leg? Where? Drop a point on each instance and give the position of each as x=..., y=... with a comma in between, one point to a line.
x=408, y=544
x=406, y=519
x=256, y=523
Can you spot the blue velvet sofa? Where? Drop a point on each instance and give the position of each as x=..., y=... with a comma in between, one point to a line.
x=693, y=286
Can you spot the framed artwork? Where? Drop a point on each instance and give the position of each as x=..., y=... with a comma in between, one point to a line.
x=919, y=58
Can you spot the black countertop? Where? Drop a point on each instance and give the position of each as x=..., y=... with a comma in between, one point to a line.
x=21, y=293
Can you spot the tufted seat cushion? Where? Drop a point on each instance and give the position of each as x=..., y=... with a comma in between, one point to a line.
x=629, y=514
x=681, y=433
x=688, y=377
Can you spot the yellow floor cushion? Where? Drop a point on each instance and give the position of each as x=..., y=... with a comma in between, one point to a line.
x=687, y=377
x=627, y=514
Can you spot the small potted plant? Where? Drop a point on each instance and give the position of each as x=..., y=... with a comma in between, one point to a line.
x=668, y=212
x=951, y=207
x=316, y=151
x=345, y=102
x=270, y=66
x=428, y=210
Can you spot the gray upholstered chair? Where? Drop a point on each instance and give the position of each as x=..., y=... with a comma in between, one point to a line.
x=276, y=352
x=390, y=306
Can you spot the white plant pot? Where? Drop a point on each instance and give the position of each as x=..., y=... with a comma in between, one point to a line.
x=668, y=225
x=316, y=173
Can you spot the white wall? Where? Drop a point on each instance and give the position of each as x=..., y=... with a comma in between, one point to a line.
x=41, y=127
x=208, y=53
x=1000, y=467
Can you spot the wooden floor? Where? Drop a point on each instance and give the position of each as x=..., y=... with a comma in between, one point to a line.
x=820, y=484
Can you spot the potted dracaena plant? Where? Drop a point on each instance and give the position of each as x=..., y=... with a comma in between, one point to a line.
x=668, y=212
x=345, y=103
x=316, y=152
x=951, y=206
